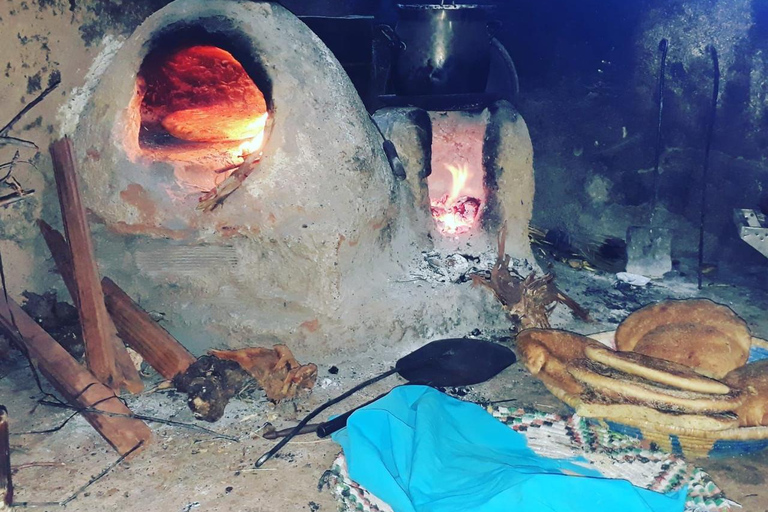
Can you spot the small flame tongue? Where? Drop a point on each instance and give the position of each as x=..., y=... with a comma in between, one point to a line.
x=252, y=145
x=456, y=213
x=460, y=175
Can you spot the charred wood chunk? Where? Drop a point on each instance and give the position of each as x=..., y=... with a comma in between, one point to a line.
x=210, y=383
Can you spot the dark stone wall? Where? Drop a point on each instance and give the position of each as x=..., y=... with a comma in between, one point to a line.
x=589, y=74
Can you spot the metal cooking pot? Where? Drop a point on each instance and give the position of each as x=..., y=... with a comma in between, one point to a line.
x=446, y=49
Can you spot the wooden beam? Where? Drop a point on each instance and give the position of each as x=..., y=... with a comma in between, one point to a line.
x=74, y=382
x=137, y=329
x=105, y=354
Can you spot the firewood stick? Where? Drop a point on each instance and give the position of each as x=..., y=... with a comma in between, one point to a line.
x=156, y=345
x=214, y=198
x=62, y=257
x=6, y=485
x=105, y=354
x=74, y=382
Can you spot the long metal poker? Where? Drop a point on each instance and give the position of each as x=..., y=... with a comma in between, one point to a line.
x=705, y=170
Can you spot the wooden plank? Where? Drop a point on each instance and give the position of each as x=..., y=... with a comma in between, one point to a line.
x=137, y=329
x=74, y=382
x=105, y=354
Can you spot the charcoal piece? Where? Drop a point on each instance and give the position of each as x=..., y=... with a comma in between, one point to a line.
x=210, y=383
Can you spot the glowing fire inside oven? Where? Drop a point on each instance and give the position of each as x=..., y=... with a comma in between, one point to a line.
x=456, y=212
x=254, y=144
x=200, y=106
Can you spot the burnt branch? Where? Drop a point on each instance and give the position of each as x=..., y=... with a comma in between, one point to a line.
x=211, y=200
x=530, y=300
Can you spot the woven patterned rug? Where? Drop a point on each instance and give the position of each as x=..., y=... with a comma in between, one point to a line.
x=550, y=435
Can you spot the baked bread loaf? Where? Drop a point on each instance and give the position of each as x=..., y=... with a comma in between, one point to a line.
x=656, y=370
x=752, y=380
x=547, y=354
x=708, y=337
x=621, y=387
x=639, y=415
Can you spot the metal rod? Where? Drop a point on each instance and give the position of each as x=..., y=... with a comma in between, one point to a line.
x=54, y=82
x=707, y=147
x=264, y=458
x=657, y=157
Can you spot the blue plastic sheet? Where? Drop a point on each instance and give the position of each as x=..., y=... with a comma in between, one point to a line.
x=420, y=450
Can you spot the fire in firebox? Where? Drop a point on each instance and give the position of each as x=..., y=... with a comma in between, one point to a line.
x=456, y=188
x=454, y=213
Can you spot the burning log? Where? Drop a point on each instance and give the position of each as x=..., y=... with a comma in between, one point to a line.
x=105, y=354
x=6, y=485
x=78, y=386
x=528, y=301
x=156, y=345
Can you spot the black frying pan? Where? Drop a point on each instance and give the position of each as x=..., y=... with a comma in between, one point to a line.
x=441, y=363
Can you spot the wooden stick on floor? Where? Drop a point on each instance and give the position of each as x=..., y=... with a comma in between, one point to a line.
x=105, y=354
x=156, y=345
x=6, y=485
x=75, y=383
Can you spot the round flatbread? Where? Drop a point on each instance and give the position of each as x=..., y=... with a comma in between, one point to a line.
x=708, y=337
x=752, y=380
x=703, y=348
x=622, y=387
x=656, y=370
x=661, y=421
x=547, y=352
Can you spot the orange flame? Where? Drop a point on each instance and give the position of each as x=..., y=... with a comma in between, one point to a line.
x=456, y=213
x=252, y=145
x=460, y=175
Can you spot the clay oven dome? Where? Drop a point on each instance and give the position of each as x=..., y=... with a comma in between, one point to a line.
x=277, y=249
x=316, y=245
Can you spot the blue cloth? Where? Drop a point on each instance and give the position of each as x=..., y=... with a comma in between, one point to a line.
x=420, y=450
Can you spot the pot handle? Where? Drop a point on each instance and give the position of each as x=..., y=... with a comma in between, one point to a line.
x=390, y=35
x=509, y=64
x=494, y=27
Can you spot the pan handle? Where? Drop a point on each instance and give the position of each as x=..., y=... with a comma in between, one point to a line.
x=339, y=422
x=334, y=425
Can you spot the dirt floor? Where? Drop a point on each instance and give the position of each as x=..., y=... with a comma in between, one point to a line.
x=186, y=470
